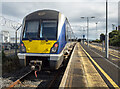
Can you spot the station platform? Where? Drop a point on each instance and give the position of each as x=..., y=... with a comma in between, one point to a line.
x=80, y=72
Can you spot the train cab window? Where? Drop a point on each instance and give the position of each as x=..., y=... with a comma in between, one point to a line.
x=49, y=29
x=31, y=29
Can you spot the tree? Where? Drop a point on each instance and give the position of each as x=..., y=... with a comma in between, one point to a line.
x=113, y=33
x=102, y=37
x=114, y=38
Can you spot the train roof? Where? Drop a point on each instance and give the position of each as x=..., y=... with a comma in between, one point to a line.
x=43, y=14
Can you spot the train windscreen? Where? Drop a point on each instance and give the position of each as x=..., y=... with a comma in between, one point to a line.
x=45, y=29
x=49, y=29
x=31, y=30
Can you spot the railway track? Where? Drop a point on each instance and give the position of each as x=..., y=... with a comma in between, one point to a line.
x=45, y=80
x=18, y=80
x=111, y=51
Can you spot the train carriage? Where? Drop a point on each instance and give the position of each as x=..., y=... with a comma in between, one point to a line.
x=43, y=39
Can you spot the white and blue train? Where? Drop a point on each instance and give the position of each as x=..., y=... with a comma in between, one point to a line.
x=43, y=39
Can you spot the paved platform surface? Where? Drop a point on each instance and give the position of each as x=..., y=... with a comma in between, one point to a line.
x=80, y=72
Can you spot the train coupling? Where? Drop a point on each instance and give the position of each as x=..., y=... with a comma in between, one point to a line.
x=35, y=65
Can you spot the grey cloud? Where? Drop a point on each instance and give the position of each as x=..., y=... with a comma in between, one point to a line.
x=20, y=9
x=72, y=10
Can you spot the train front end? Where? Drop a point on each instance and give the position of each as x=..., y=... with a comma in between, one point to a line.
x=41, y=43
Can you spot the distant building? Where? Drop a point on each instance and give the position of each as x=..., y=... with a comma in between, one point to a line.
x=12, y=40
x=119, y=28
x=0, y=37
x=5, y=36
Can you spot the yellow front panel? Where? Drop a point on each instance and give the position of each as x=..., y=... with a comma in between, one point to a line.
x=38, y=46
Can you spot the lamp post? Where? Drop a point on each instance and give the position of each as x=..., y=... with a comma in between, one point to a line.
x=113, y=26
x=83, y=36
x=96, y=29
x=87, y=28
x=106, y=40
x=96, y=26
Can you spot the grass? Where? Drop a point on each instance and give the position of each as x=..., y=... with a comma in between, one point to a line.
x=9, y=64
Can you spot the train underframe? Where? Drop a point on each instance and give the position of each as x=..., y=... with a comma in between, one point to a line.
x=41, y=61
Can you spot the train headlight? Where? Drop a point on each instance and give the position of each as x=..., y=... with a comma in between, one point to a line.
x=22, y=48
x=54, y=48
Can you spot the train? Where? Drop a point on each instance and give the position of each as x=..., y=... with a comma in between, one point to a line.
x=43, y=40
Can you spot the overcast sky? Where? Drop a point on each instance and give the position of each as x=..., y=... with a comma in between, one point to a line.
x=73, y=9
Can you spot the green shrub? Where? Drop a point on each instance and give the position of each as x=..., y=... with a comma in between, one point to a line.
x=115, y=38
x=9, y=64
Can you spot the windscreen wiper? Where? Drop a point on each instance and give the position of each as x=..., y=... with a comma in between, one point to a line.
x=29, y=39
x=45, y=38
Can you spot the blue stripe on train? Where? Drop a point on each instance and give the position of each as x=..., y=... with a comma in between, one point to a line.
x=61, y=39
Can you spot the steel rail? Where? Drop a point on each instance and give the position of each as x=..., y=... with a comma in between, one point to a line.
x=110, y=52
x=18, y=80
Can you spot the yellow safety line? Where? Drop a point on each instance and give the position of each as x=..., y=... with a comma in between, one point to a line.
x=102, y=71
